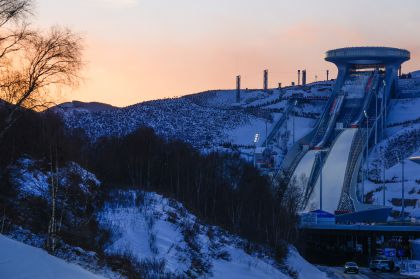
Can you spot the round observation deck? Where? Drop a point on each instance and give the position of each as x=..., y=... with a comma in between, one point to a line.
x=366, y=56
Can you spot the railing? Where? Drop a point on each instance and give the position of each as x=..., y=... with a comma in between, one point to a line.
x=353, y=166
x=313, y=178
x=320, y=130
x=332, y=120
x=355, y=150
x=279, y=123
x=368, y=99
x=368, y=51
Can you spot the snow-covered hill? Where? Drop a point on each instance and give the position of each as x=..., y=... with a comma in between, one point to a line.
x=82, y=106
x=18, y=261
x=153, y=229
x=158, y=234
x=205, y=119
x=402, y=140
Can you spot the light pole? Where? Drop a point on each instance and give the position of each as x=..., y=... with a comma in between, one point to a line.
x=266, y=134
x=256, y=139
x=383, y=179
x=294, y=121
x=402, y=190
x=376, y=117
x=383, y=108
x=321, y=161
x=400, y=158
x=366, y=172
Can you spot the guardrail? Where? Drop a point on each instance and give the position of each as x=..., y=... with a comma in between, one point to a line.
x=355, y=151
x=368, y=100
x=332, y=120
x=313, y=178
x=353, y=166
x=368, y=51
x=279, y=123
x=323, y=123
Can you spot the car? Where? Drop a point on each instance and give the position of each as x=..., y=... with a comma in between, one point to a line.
x=383, y=265
x=351, y=267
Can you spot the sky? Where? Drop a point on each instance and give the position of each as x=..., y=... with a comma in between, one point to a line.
x=138, y=50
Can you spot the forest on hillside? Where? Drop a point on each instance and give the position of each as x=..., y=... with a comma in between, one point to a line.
x=221, y=189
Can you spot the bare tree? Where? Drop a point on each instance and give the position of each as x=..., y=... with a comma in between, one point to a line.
x=33, y=63
x=13, y=10
x=13, y=28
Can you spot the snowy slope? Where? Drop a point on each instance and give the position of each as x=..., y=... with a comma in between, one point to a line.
x=335, y=164
x=81, y=106
x=18, y=261
x=402, y=139
x=204, y=119
x=154, y=229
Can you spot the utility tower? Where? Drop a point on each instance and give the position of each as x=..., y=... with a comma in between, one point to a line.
x=238, y=89
x=265, y=80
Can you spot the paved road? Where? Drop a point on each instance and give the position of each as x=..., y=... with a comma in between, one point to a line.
x=337, y=273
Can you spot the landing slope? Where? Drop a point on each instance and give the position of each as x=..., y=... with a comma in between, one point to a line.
x=334, y=171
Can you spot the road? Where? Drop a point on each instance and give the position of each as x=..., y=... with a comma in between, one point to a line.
x=337, y=273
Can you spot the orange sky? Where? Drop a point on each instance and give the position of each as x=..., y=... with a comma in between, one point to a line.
x=139, y=50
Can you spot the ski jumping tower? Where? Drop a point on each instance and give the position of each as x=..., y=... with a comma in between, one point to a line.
x=354, y=58
x=376, y=69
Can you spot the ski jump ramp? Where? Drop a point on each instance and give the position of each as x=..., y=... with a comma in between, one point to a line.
x=333, y=173
x=303, y=171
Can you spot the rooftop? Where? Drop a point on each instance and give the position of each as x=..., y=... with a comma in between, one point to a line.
x=367, y=55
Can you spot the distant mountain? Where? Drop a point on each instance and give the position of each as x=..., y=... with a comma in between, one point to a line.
x=82, y=106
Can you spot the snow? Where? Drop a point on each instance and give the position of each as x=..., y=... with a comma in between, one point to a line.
x=415, y=74
x=31, y=180
x=402, y=110
x=333, y=172
x=18, y=261
x=302, y=127
x=244, y=134
x=302, y=267
x=403, y=140
x=244, y=266
x=304, y=168
x=393, y=187
x=134, y=233
x=202, y=119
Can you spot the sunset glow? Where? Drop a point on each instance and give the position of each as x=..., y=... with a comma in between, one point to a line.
x=139, y=50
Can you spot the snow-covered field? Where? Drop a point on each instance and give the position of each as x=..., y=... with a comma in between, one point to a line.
x=19, y=261
x=154, y=229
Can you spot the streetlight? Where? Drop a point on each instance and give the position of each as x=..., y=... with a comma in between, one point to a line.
x=321, y=161
x=295, y=104
x=266, y=134
x=383, y=178
x=256, y=139
x=376, y=117
x=366, y=172
x=383, y=108
x=401, y=160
